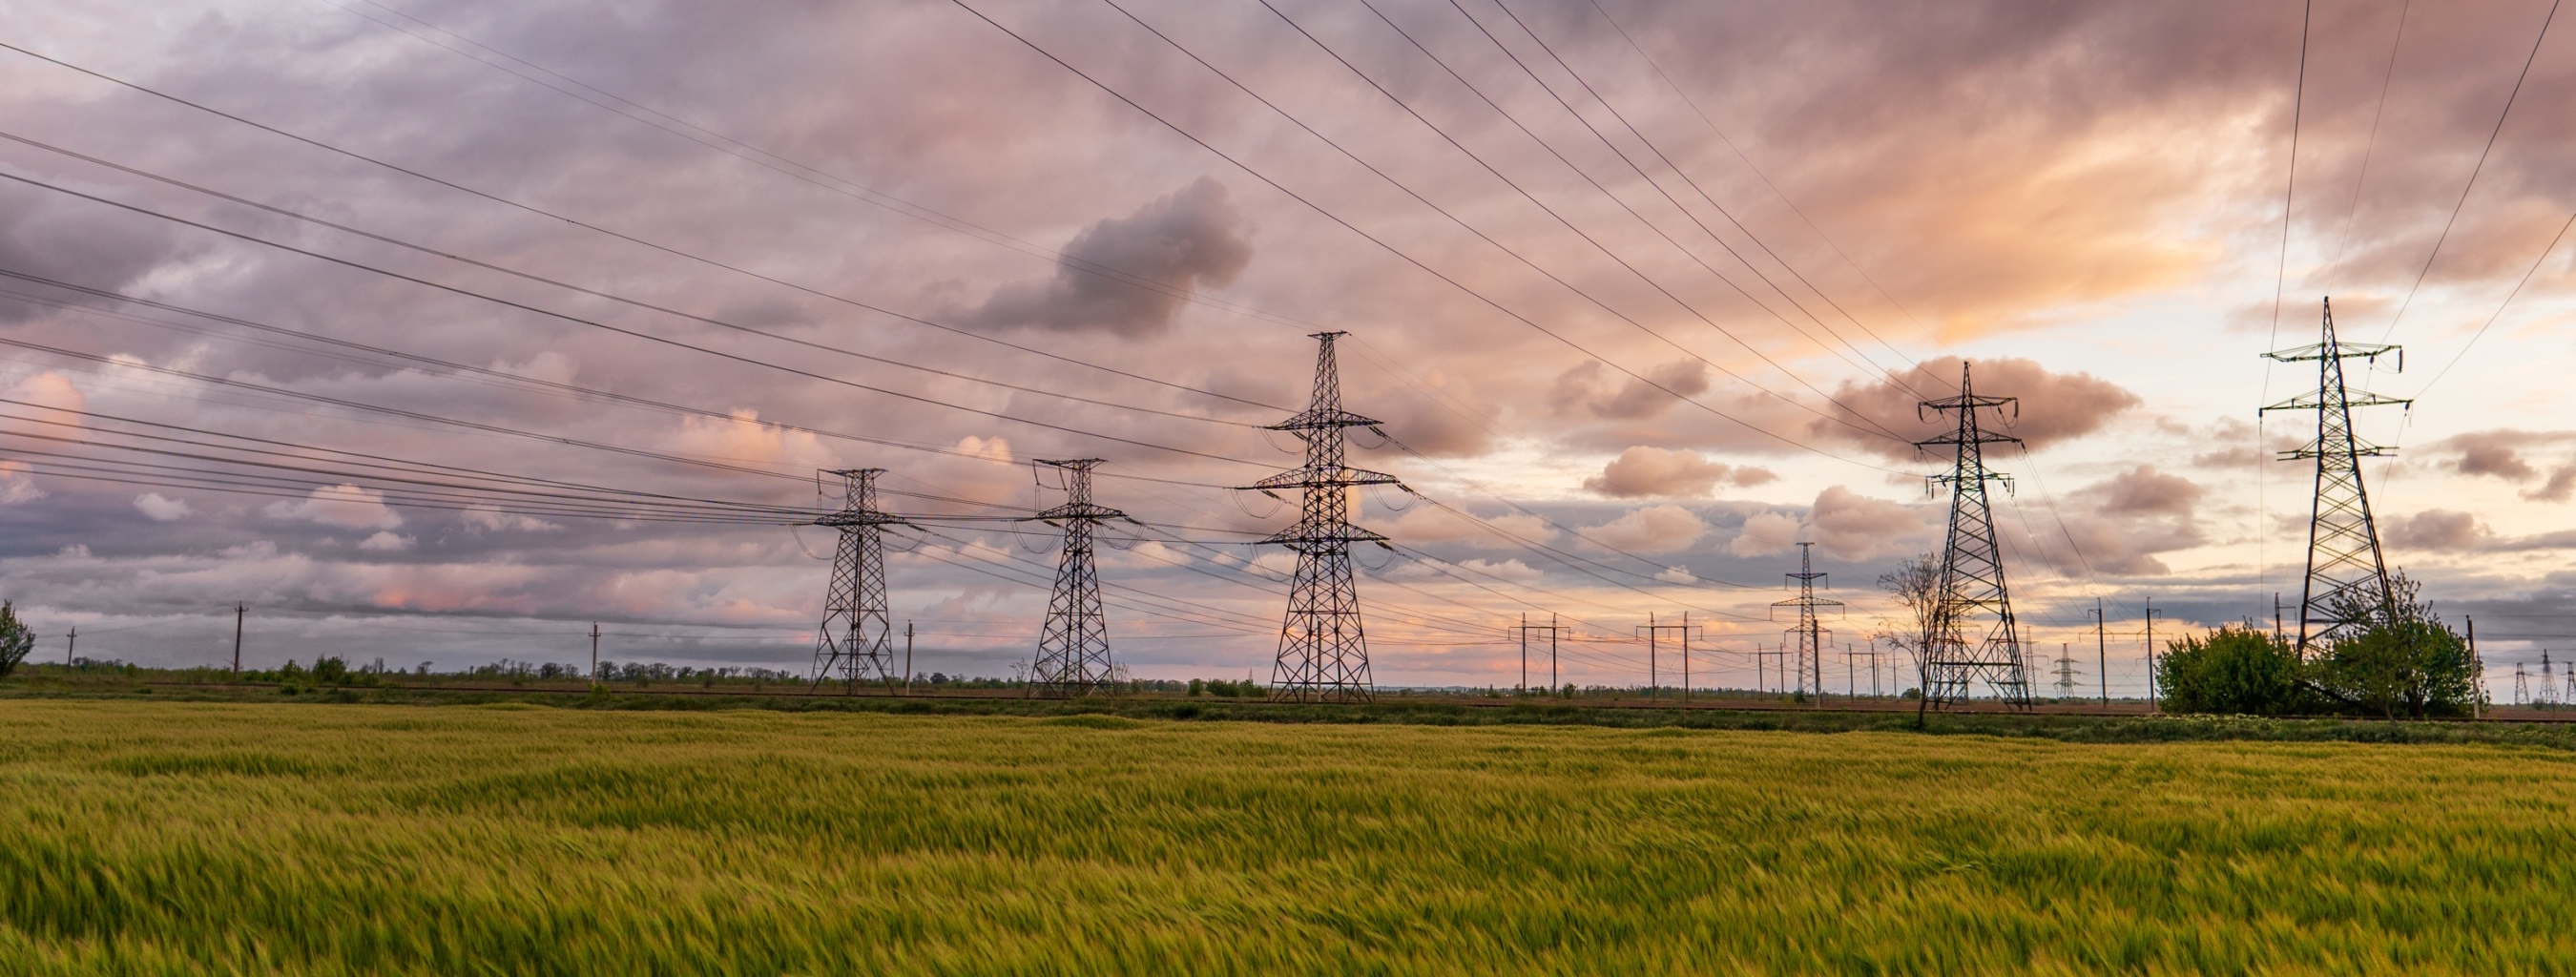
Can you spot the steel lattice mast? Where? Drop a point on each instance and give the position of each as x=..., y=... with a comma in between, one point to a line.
x=1073, y=649
x=856, y=640
x=2345, y=569
x=1323, y=652
x=1972, y=568
x=1809, y=635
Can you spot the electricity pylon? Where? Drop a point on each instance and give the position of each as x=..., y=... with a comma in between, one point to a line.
x=1809, y=636
x=1972, y=586
x=856, y=640
x=2347, y=581
x=2066, y=671
x=1323, y=651
x=1073, y=649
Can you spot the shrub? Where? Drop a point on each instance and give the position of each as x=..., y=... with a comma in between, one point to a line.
x=2407, y=660
x=2233, y=670
x=15, y=639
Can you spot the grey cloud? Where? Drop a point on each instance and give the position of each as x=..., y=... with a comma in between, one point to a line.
x=2121, y=523
x=1648, y=472
x=74, y=241
x=2561, y=484
x=1594, y=389
x=2436, y=529
x=2146, y=491
x=2492, y=453
x=2053, y=407
x=1167, y=248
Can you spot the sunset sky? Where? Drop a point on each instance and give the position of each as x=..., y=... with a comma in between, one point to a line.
x=1650, y=289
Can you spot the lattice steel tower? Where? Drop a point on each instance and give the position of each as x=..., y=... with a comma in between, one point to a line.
x=2345, y=569
x=1972, y=594
x=1323, y=653
x=1073, y=650
x=1809, y=636
x=856, y=640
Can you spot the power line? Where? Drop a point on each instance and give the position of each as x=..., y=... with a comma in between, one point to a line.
x=551, y=215
x=1749, y=165
x=808, y=173
x=1400, y=254
x=2475, y=171
x=596, y=324
x=2343, y=239
x=2289, y=191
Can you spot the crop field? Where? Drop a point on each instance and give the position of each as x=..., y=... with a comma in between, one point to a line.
x=171, y=837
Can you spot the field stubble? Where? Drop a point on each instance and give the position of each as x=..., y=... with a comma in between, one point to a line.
x=141, y=837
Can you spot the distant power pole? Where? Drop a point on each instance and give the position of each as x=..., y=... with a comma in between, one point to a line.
x=2154, y=695
x=1972, y=568
x=1073, y=650
x=1323, y=649
x=1550, y=629
x=594, y=651
x=240, y=611
x=2477, y=704
x=70, y=641
x=2347, y=579
x=1654, y=641
x=2521, y=684
x=856, y=638
x=907, y=657
x=2065, y=671
x=1809, y=635
x=2102, y=652
x=1874, y=691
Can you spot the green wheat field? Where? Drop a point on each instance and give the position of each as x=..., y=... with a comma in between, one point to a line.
x=327, y=839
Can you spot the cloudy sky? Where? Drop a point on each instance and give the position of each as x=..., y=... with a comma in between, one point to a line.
x=436, y=331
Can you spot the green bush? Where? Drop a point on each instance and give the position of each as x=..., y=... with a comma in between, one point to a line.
x=15, y=639
x=2407, y=661
x=2232, y=671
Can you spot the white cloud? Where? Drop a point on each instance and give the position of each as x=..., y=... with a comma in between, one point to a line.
x=492, y=519
x=1653, y=529
x=16, y=485
x=1765, y=533
x=346, y=506
x=54, y=397
x=1676, y=575
x=384, y=541
x=162, y=509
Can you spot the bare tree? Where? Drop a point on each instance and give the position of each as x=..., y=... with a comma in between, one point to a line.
x=1916, y=584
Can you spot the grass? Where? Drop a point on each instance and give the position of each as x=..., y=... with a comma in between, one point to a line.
x=142, y=836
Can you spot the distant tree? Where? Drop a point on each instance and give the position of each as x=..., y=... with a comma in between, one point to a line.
x=15, y=639
x=1916, y=585
x=2406, y=660
x=2233, y=670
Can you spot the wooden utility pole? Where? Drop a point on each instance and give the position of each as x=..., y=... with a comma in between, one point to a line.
x=69, y=642
x=2155, y=699
x=907, y=657
x=594, y=651
x=239, y=611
